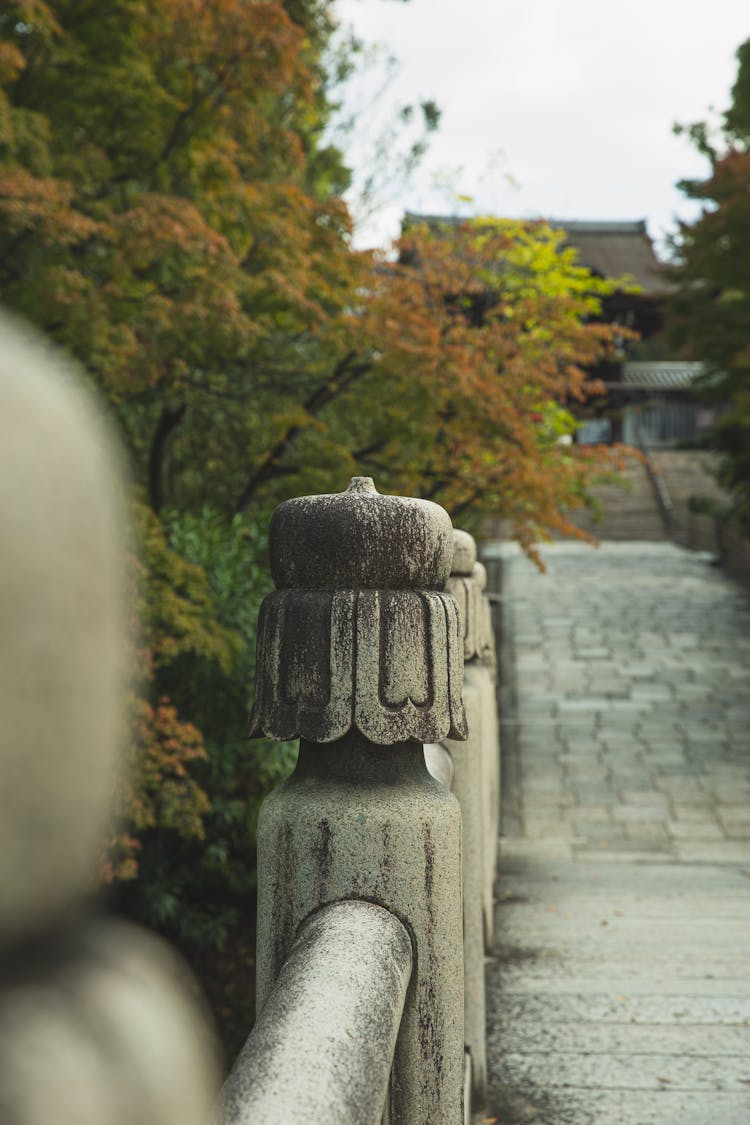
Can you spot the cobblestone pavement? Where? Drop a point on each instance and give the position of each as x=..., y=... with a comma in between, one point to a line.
x=620, y=989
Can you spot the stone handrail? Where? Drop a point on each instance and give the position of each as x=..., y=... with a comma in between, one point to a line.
x=658, y=484
x=378, y=628
x=322, y=1048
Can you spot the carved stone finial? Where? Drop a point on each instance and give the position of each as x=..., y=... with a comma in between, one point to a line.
x=359, y=634
x=465, y=588
x=464, y=553
x=360, y=539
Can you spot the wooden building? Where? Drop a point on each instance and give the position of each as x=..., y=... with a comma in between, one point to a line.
x=649, y=400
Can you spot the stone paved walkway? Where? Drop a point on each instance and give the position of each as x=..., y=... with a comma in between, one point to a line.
x=620, y=989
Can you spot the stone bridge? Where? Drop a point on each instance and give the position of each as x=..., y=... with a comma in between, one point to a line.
x=619, y=987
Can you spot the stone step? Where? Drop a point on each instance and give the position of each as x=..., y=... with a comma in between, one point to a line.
x=688, y=473
x=627, y=511
x=618, y=992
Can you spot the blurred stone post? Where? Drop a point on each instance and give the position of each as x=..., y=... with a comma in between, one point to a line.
x=96, y=1024
x=359, y=655
x=487, y=675
x=467, y=583
x=470, y=780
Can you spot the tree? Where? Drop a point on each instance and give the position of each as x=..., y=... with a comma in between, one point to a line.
x=173, y=617
x=169, y=213
x=709, y=315
x=191, y=803
x=157, y=210
x=449, y=377
x=496, y=331
x=711, y=309
x=160, y=217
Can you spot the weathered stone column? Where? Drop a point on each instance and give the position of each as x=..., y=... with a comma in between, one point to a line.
x=487, y=650
x=467, y=583
x=487, y=675
x=359, y=655
x=96, y=1025
x=469, y=783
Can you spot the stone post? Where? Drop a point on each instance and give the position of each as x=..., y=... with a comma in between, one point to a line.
x=359, y=655
x=487, y=674
x=469, y=783
x=466, y=583
x=487, y=649
x=96, y=1025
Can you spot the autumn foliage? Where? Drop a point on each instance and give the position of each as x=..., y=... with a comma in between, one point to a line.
x=170, y=213
x=709, y=312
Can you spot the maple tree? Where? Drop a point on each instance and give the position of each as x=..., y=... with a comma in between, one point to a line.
x=170, y=213
x=161, y=217
x=167, y=229
x=710, y=310
x=173, y=617
x=481, y=336
x=709, y=313
x=167, y=214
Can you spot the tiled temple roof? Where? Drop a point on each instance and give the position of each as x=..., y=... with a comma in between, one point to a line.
x=612, y=249
x=609, y=248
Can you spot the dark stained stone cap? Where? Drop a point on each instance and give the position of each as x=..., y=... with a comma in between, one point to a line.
x=359, y=539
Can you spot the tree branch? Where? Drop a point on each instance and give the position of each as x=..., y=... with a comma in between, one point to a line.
x=457, y=509
x=366, y=451
x=345, y=373
x=169, y=420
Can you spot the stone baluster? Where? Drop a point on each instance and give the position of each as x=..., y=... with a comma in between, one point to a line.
x=487, y=649
x=359, y=655
x=486, y=673
x=469, y=783
x=96, y=1025
x=467, y=583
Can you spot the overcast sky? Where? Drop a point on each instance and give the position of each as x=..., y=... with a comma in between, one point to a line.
x=554, y=108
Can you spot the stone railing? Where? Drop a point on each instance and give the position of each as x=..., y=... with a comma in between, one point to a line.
x=375, y=871
x=375, y=880
x=656, y=480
